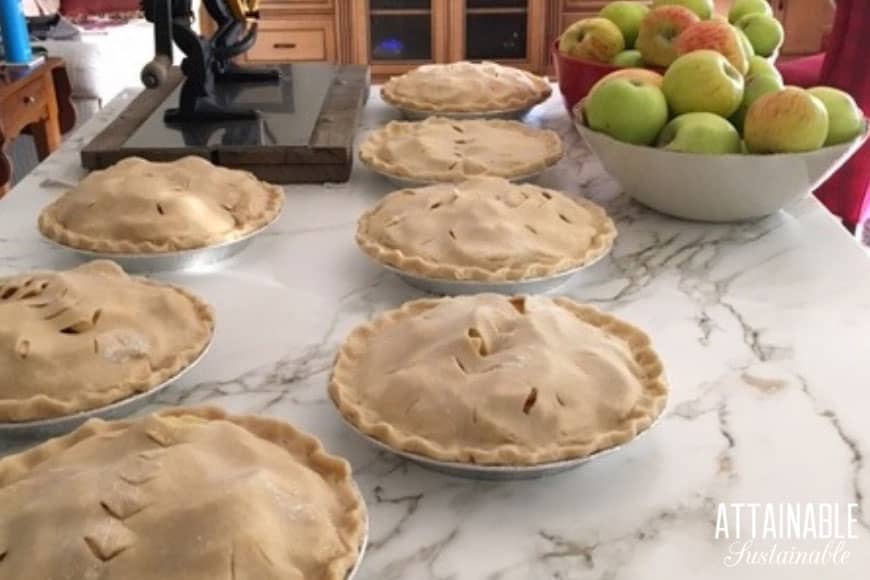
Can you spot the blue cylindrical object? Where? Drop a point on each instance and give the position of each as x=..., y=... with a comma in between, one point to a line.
x=16, y=41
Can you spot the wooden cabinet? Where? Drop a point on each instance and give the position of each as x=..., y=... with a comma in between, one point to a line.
x=394, y=36
x=302, y=38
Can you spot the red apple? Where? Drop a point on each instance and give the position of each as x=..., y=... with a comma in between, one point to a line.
x=787, y=121
x=714, y=35
x=659, y=31
x=592, y=38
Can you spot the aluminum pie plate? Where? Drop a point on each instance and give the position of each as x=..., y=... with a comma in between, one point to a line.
x=499, y=472
x=167, y=261
x=445, y=287
x=416, y=115
x=54, y=426
x=410, y=182
x=365, y=539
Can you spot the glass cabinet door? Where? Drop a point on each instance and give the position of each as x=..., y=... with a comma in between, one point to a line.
x=496, y=29
x=400, y=30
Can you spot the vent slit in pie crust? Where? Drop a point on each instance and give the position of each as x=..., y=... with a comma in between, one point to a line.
x=87, y=337
x=185, y=494
x=143, y=207
x=440, y=149
x=494, y=380
x=465, y=87
x=484, y=229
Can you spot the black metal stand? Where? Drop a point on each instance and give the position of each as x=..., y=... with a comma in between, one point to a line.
x=206, y=61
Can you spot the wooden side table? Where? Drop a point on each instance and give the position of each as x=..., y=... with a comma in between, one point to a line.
x=38, y=101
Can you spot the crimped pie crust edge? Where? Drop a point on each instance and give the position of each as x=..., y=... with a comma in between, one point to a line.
x=337, y=469
x=491, y=106
x=649, y=407
x=52, y=229
x=42, y=406
x=419, y=266
x=553, y=153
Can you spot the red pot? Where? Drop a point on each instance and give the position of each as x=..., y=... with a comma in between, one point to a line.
x=576, y=75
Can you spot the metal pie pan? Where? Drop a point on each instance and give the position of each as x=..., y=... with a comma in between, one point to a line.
x=417, y=115
x=54, y=426
x=499, y=472
x=365, y=539
x=168, y=261
x=446, y=287
x=410, y=182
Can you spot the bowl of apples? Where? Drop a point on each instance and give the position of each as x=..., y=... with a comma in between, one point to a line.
x=718, y=137
x=633, y=34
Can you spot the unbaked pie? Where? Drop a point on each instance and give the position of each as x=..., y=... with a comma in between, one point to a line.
x=484, y=229
x=439, y=149
x=490, y=379
x=87, y=337
x=466, y=87
x=144, y=207
x=185, y=494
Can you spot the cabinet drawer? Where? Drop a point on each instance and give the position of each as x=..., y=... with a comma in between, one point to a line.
x=291, y=41
x=25, y=106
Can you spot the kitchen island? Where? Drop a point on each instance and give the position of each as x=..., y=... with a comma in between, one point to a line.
x=764, y=329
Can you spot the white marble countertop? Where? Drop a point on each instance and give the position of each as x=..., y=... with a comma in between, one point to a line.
x=764, y=329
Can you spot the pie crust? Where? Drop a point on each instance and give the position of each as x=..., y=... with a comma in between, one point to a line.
x=490, y=379
x=439, y=149
x=87, y=337
x=484, y=229
x=192, y=494
x=466, y=87
x=144, y=207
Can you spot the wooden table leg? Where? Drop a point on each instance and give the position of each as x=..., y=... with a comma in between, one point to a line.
x=5, y=168
x=63, y=95
x=46, y=136
x=46, y=132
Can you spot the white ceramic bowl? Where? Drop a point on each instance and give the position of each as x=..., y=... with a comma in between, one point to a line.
x=716, y=188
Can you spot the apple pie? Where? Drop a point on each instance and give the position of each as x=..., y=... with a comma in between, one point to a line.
x=185, y=494
x=144, y=207
x=439, y=149
x=484, y=229
x=465, y=87
x=498, y=380
x=84, y=338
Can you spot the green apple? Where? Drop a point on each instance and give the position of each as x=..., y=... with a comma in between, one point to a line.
x=592, y=38
x=629, y=110
x=845, y=119
x=761, y=66
x=703, y=81
x=741, y=8
x=700, y=133
x=641, y=75
x=659, y=31
x=628, y=58
x=626, y=16
x=763, y=31
x=787, y=121
x=703, y=8
x=745, y=44
x=756, y=87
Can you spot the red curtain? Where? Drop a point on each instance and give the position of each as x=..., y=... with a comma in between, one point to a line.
x=845, y=65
